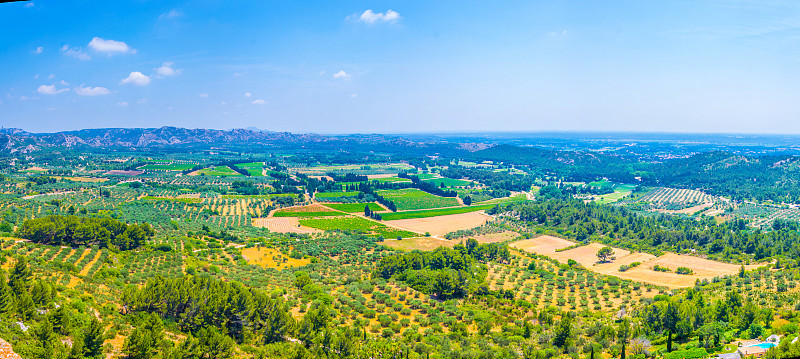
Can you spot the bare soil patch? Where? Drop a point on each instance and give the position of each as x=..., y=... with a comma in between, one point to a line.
x=283, y=225
x=545, y=245
x=587, y=255
x=441, y=225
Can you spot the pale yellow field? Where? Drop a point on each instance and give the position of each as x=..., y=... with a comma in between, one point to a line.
x=271, y=258
x=546, y=245
x=441, y=225
x=587, y=256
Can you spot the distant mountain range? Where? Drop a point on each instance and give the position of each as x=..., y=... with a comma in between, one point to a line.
x=14, y=139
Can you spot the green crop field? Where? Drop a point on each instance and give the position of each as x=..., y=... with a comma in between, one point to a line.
x=222, y=171
x=392, y=180
x=255, y=168
x=356, y=224
x=434, y=212
x=412, y=198
x=355, y=207
x=504, y=200
x=168, y=167
x=449, y=182
x=336, y=194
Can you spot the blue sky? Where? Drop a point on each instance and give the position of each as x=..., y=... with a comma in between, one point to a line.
x=402, y=66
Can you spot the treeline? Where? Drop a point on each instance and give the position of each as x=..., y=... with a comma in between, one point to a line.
x=74, y=231
x=444, y=272
x=347, y=177
x=618, y=226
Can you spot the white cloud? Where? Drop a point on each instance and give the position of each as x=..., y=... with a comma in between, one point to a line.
x=247, y=94
x=142, y=101
x=166, y=69
x=171, y=14
x=203, y=95
x=353, y=95
x=371, y=17
x=75, y=52
x=136, y=78
x=259, y=102
x=50, y=89
x=52, y=76
x=123, y=104
x=91, y=91
x=110, y=46
x=25, y=98
x=322, y=73
x=38, y=50
x=223, y=103
x=30, y=4
x=341, y=75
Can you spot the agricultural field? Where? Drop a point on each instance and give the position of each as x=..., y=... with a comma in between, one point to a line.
x=564, y=250
x=255, y=169
x=332, y=195
x=678, y=200
x=425, y=213
x=357, y=224
x=358, y=169
x=443, y=224
x=391, y=180
x=412, y=198
x=355, y=207
x=219, y=171
x=167, y=167
x=448, y=182
x=307, y=211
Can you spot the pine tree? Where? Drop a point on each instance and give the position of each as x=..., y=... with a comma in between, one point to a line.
x=6, y=295
x=20, y=275
x=93, y=339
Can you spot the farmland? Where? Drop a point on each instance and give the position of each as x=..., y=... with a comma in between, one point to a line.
x=355, y=207
x=586, y=256
x=412, y=198
x=221, y=171
x=357, y=224
x=168, y=167
x=303, y=240
x=442, y=224
x=448, y=182
x=434, y=212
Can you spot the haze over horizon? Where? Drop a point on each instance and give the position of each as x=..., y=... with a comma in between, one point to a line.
x=400, y=67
